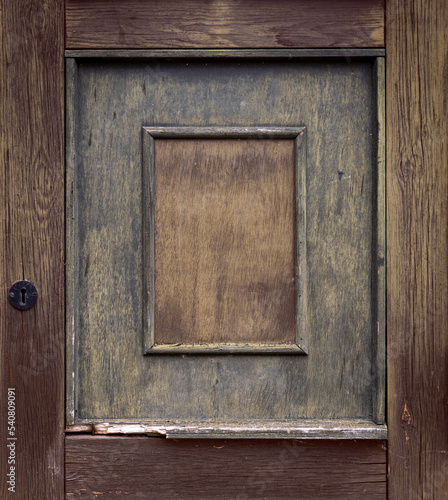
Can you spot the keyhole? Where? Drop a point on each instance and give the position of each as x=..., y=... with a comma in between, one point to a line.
x=22, y=295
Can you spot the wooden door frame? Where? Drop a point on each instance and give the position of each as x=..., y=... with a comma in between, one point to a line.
x=32, y=239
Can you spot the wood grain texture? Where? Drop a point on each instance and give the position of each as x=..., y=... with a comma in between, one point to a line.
x=225, y=248
x=417, y=206
x=227, y=53
x=213, y=178
x=139, y=467
x=31, y=243
x=71, y=298
x=238, y=429
x=138, y=24
x=379, y=248
x=334, y=99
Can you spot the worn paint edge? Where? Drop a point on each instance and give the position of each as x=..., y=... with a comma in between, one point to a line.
x=307, y=429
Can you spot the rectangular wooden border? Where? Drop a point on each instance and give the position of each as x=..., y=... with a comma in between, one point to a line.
x=417, y=420
x=198, y=53
x=71, y=268
x=379, y=249
x=299, y=136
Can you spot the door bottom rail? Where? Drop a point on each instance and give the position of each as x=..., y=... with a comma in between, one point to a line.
x=239, y=429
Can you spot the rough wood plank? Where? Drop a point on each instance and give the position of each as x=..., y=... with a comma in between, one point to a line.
x=137, y=24
x=135, y=467
x=417, y=207
x=31, y=243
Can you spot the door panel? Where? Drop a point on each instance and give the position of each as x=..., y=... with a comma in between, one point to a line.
x=32, y=170
x=110, y=103
x=224, y=208
x=226, y=233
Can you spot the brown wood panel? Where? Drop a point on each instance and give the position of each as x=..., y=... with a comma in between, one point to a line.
x=138, y=24
x=224, y=242
x=417, y=204
x=31, y=244
x=142, y=467
x=115, y=101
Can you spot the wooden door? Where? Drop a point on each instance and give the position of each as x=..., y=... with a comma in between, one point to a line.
x=33, y=248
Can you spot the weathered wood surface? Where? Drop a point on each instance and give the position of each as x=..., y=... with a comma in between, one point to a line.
x=225, y=132
x=334, y=99
x=137, y=24
x=250, y=429
x=238, y=201
x=379, y=248
x=417, y=208
x=227, y=54
x=70, y=216
x=31, y=243
x=141, y=467
x=225, y=249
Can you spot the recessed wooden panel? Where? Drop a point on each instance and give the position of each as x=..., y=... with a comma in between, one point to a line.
x=136, y=24
x=113, y=101
x=253, y=205
x=224, y=241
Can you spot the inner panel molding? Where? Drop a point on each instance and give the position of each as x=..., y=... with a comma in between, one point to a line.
x=209, y=220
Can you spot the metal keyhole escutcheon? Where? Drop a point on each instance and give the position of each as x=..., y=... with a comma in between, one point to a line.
x=22, y=295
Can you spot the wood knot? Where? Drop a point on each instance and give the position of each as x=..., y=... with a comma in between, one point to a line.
x=406, y=415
